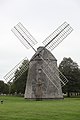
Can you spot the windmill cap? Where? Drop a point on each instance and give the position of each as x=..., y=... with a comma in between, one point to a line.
x=46, y=54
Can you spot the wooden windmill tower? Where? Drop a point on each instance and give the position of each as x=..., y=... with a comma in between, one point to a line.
x=43, y=80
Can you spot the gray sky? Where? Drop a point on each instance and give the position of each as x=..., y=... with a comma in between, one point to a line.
x=41, y=18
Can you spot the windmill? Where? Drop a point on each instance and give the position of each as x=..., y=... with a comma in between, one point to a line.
x=43, y=80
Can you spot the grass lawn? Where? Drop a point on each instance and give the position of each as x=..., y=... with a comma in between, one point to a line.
x=17, y=108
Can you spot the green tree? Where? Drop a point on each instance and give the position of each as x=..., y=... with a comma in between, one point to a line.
x=1, y=87
x=70, y=69
x=4, y=89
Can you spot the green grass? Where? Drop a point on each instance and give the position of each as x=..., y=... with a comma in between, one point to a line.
x=17, y=108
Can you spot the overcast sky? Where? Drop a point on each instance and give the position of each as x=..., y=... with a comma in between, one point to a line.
x=41, y=18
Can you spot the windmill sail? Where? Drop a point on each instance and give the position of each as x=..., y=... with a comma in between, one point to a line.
x=24, y=36
x=50, y=73
x=10, y=76
x=57, y=36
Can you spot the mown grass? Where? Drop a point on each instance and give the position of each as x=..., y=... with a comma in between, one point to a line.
x=17, y=108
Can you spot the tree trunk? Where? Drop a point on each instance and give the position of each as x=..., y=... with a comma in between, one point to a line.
x=68, y=94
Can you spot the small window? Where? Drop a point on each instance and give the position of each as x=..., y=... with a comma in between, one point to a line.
x=39, y=70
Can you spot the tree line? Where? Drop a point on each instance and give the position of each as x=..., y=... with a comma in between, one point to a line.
x=68, y=67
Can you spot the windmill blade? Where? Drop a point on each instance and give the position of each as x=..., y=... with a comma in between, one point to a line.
x=57, y=36
x=49, y=75
x=53, y=74
x=13, y=75
x=24, y=36
x=60, y=38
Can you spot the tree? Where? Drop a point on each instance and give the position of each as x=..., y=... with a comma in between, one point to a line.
x=19, y=83
x=4, y=89
x=70, y=69
x=1, y=87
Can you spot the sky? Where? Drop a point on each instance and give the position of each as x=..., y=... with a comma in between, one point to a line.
x=41, y=18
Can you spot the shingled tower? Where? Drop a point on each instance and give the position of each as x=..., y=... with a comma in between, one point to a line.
x=39, y=85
